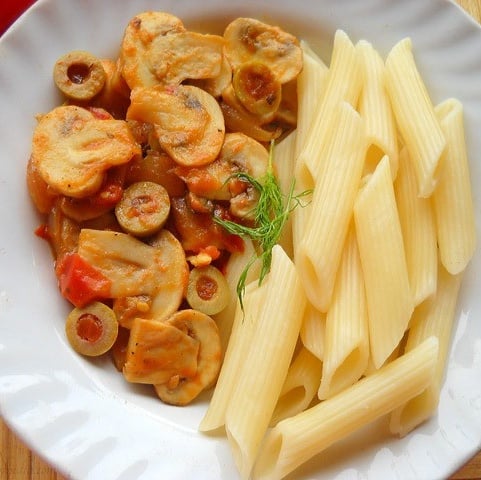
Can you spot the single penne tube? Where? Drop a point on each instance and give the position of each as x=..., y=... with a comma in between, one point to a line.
x=419, y=231
x=300, y=387
x=260, y=377
x=343, y=83
x=434, y=317
x=319, y=252
x=295, y=440
x=310, y=90
x=284, y=161
x=237, y=349
x=236, y=264
x=395, y=354
x=313, y=331
x=383, y=259
x=346, y=347
x=309, y=52
x=375, y=109
x=452, y=199
x=414, y=114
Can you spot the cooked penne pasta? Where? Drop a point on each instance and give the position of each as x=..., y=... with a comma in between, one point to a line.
x=237, y=349
x=419, y=231
x=337, y=183
x=343, y=83
x=300, y=387
x=236, y=264
x=284, y=160
x=346, y=349
x=375, y=109
x=297, y=439
x=310, y=91
x=434, y=317
x=452, y=199
x=415, y=116
x=260, y=377
x=381, y=248
x=313, y=331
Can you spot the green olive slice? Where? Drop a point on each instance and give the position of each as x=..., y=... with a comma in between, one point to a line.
x=92, y=330
x=257, y=88
x=207, y=290
x=143, y=208
x=79, y=75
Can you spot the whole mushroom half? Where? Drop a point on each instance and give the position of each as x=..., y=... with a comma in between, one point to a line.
x=188, y=121
x=72, y=149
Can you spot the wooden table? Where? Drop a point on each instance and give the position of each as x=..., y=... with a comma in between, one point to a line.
x=17, y=462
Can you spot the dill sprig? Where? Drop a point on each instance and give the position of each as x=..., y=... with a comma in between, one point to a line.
x=270, y=216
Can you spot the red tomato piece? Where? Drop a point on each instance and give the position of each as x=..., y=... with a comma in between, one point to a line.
x=79, y=282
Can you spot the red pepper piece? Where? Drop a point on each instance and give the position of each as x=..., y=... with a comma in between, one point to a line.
x=80, y=282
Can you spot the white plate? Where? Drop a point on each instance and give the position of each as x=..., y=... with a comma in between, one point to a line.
x=80, y=414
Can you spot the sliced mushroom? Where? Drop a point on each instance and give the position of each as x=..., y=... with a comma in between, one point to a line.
x=139, y=37
x=81, y=209
x=157, y=351
x=127, y=309
x=135, y=268
x=218, y=181
x=63, y=232
x=210, y=181
x=42, y=195
x=169, y=297
x=216, y=85
x=187, y=120
x=247, y=154
x=72, y=149
x=79, y=75
x=185, y=55
x=248, y=39
x=182, y=389
x=243, y=205
x=98, y=204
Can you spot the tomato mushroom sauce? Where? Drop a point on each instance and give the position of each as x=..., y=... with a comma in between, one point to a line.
x=131, y=173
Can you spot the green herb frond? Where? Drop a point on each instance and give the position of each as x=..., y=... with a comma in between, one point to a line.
x=270, y=216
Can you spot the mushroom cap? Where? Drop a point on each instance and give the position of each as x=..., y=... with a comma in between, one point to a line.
x=249, y=39
x=137, y=42
x=135, y=268
x=157, y=49
x=186, y=55
x=187, y=120
x=203, y=328
x=72, y=149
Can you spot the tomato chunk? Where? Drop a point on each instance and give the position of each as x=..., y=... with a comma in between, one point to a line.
x=80, y=282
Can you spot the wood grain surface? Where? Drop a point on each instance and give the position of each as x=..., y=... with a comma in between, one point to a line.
x=18, y=462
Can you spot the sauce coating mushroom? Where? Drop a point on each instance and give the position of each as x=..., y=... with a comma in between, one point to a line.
x=180, y=389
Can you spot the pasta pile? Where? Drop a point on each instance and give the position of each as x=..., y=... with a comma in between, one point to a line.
x=355, y=318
